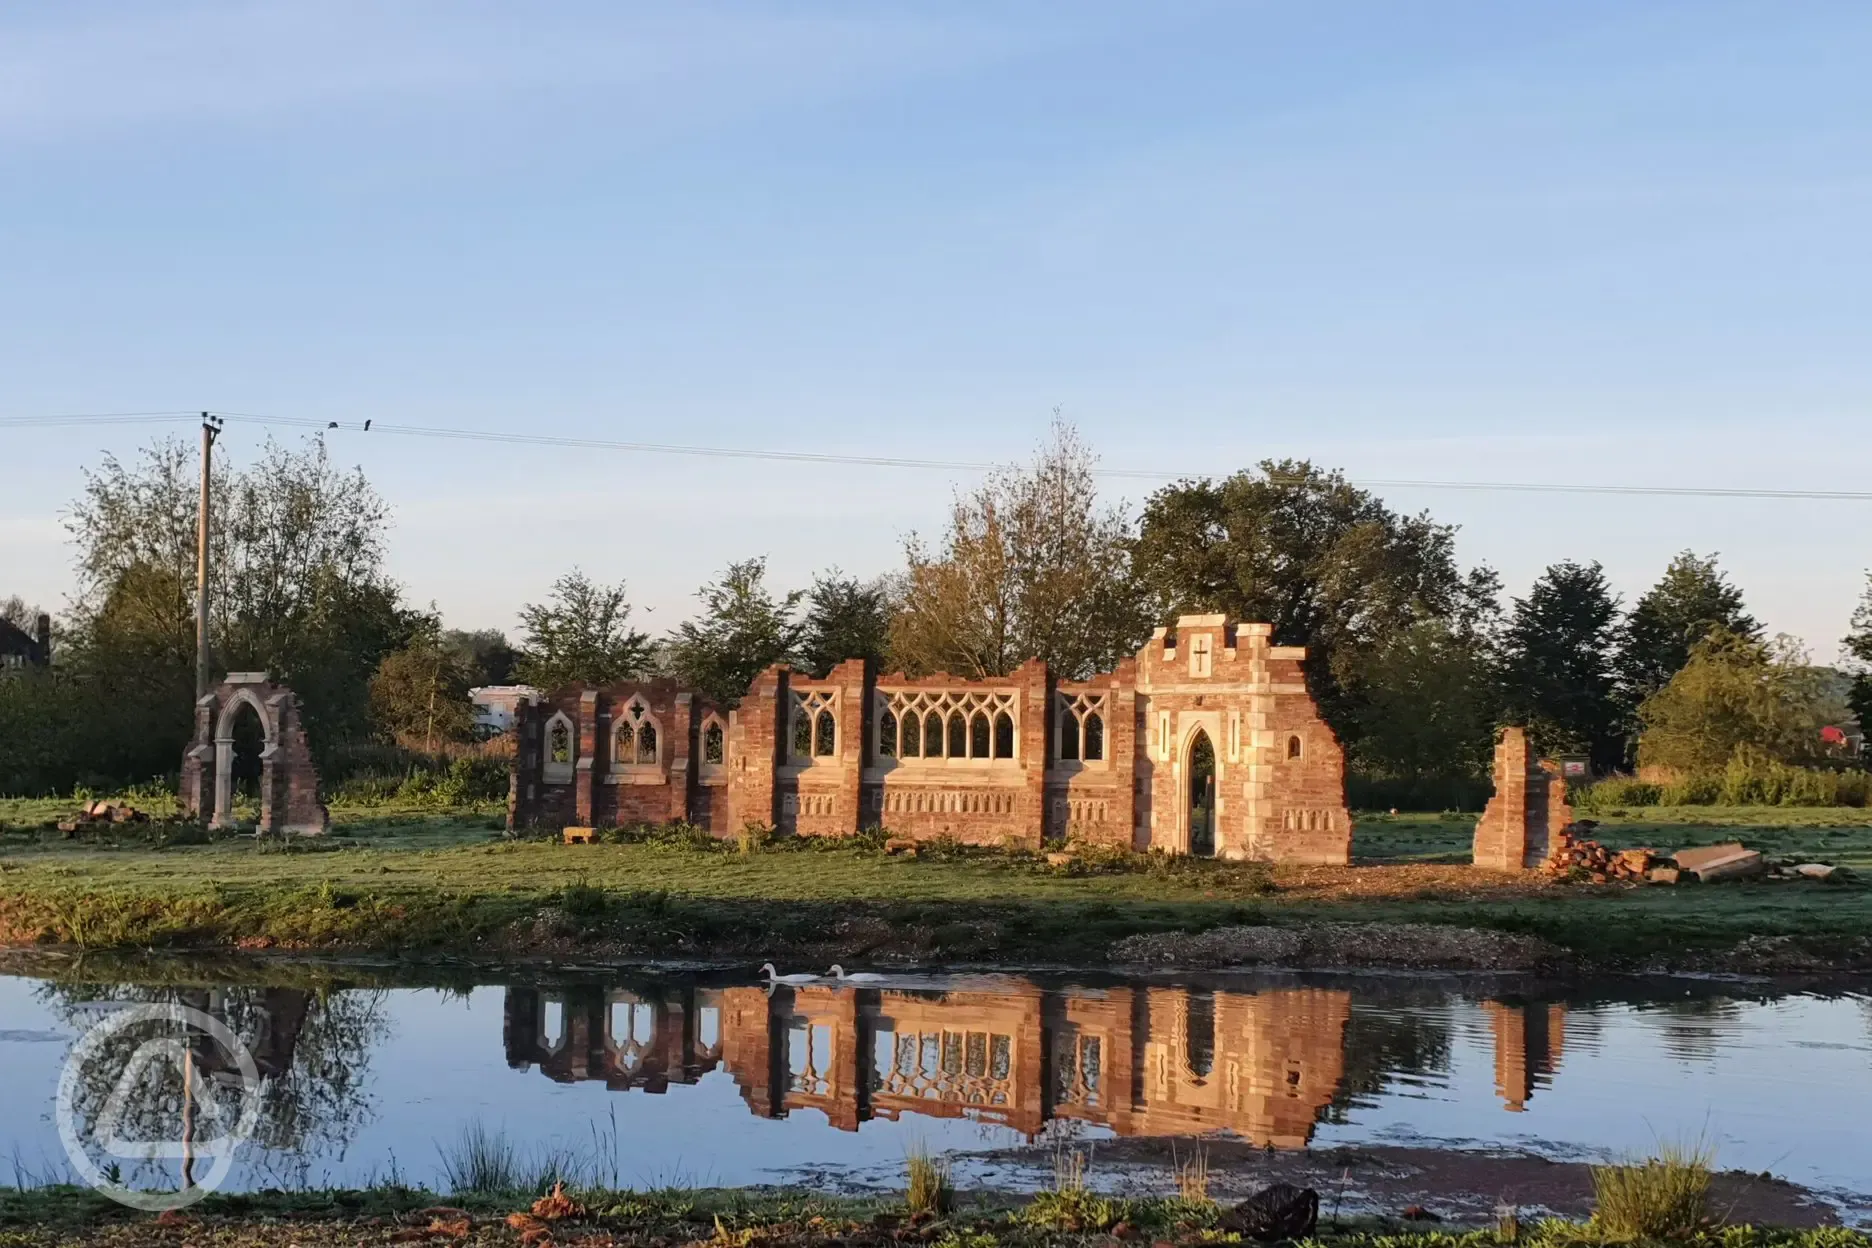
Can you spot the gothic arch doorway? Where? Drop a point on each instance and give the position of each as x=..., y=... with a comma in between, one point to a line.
x=1200, y=767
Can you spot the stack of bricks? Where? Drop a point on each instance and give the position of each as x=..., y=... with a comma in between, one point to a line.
x=1572, y=853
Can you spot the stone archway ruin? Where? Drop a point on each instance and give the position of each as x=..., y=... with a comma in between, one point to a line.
x=289, y=784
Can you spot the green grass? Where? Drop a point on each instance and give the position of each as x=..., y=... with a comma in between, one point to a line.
x=448, y=883
x=1659, y=1198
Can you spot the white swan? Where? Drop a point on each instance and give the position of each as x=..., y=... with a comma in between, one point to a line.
x=856, y=977
x=774, y=977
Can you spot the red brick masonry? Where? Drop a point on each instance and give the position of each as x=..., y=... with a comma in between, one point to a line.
x=1110, y=760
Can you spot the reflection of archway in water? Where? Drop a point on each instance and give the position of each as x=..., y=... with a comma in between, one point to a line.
x=1201, y=769
x=1199, y=1033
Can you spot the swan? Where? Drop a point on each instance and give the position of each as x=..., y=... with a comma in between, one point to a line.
x=774, y=977
x=856, y=977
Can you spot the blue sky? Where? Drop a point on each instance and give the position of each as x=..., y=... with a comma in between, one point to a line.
x=1613, y=242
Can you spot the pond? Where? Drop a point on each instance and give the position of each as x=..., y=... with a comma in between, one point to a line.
x=653, y=1078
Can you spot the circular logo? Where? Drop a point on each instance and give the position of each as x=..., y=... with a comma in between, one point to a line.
x=206, y=1129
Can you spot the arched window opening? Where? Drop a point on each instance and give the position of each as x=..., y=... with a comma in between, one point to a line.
x=912, y=736
x=978, y=736
x=1293, y=747
x=647, y=744
x=1199, y=1038
x=1069, y=735
x=932, y=736
x=560, y=742
x=624, y=747
x=887, y=735
x=713, y=745
x=958, y=736
x=825, y=735
x=1004, y=736
x=1094, y=737
x=802, y=735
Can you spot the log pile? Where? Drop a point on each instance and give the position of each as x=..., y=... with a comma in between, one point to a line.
x=1574, y=851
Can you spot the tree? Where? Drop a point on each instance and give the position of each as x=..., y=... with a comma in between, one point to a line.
x=19, y=613
x=1858, y=646
x=419, y=694
x=1031, y=567
x=1735, y=693
x=484, y=654
x=1692, y=598
x=297, y=588
x=1431, y=701
x=1558, y=664
x=581, y=636
x=846, y=618
x=743, y=631
x=1327, y=564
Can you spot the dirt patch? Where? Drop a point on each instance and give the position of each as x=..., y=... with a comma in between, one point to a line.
x=1414, y=945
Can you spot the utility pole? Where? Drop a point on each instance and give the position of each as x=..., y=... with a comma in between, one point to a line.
x=211, y=425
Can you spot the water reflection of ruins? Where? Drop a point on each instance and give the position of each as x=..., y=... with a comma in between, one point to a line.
x=1267, y=1066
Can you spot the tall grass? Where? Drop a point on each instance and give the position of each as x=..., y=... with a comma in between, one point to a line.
x=927, y=1189
x=1192, y=1175
x=1665, y=1196
x=484, y=1162
x=1744, y=782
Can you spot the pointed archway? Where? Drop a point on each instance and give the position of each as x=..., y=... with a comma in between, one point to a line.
x=1199, y=767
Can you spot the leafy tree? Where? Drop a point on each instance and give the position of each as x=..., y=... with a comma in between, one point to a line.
x=846, y=618
x=484, y=654
x=744, y=629
x=1858, y=645
x=1430, y=705
x=1031, y=567
x=1735, y=693
x=1559, y=664
x=419, y=695
x=22, y=615
x=1326, y=563
x=1692, y=598
x=581, y=636
x=297, y=588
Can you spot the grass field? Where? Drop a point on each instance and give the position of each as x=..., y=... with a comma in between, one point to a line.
x=449, y=883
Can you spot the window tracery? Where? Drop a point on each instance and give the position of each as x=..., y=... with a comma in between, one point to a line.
x=1080, y=733
x=815, y=725
x=635, y=741
x=933, y=725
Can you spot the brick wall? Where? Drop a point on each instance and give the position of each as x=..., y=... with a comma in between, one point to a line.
x=1523, y=819
x=1017, y=759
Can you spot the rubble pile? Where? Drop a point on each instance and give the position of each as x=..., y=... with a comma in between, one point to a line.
x=1574, y=851
x=103, y=812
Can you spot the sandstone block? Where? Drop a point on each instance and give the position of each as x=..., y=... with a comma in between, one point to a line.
x=1720, y=862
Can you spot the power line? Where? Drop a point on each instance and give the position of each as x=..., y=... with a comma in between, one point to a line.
x=884, y=461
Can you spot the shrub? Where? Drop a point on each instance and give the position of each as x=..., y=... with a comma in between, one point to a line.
x=1616, y=791
x=753, y=837
x=1662, y=1197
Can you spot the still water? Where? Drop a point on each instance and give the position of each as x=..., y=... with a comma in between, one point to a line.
x=651, y=1078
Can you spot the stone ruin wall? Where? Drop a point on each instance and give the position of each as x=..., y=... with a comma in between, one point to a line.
x=1020, y=759
x=1523, y=820
x=289, y=782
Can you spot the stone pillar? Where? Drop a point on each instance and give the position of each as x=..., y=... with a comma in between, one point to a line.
x=584, y=770
x=223, y=783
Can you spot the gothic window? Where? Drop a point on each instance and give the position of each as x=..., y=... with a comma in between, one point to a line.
x=825, y=735
x=802, y=735
x=714, y=751
x=887, y=735
x=935, y=724
x=815, y=724
x=634, y=740
x=1081, y=726
x=559, y=748
x=1293, y=747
